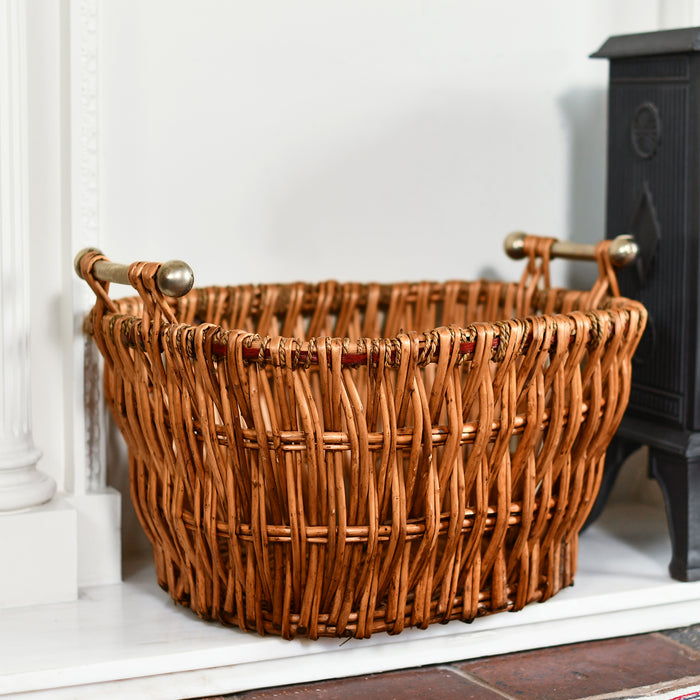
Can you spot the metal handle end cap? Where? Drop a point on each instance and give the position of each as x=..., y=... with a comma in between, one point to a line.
x=623, y=250
x=514, y=245
x=175, y=278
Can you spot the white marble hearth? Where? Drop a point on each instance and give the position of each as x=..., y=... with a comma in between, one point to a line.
x=130, y=640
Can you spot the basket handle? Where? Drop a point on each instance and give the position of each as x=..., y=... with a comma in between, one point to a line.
x=173, y=278
x=153, y=281
x=539, y=250
x=622, y=251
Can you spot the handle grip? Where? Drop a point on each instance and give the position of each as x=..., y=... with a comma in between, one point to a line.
x=623, y=249
x=174, y=278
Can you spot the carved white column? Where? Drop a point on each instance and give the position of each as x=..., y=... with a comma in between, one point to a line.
x=21, y=484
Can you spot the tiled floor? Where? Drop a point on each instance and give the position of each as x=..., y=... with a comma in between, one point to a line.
x=649, y=665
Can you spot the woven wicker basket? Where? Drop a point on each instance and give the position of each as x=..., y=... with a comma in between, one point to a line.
x=295, y=482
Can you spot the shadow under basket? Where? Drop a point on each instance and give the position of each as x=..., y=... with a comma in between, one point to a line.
x=437, y=467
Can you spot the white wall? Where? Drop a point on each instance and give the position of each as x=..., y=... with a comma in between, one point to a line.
x=385, y=140
x=280, y=140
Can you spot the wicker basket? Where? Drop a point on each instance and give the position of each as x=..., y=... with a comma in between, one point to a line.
x=295, y=482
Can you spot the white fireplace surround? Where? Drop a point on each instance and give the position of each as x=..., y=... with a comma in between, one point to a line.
x=68, y=128
x=51, y=542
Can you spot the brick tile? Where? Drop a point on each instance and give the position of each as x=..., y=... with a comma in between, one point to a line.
x=591, y=668
x=690, y=636
x=425, y=683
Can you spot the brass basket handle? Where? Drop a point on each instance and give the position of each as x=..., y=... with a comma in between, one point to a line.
x=540, y=250
x=154, y=282
x=173, y=279
x=623, y=249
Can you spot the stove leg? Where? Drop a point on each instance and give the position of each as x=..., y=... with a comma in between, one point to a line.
x=679, y=478
x=619, y=450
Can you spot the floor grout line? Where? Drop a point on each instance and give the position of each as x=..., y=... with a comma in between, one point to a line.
x=681, y=645
x=476, y=680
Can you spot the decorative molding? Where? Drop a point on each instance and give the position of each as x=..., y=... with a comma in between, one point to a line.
x=87, y=127
x=98, y=506
x=89, y=433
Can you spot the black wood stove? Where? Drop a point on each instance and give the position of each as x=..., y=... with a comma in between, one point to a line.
x=653, y=192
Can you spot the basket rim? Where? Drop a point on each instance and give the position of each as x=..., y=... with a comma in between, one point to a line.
x=278, y=350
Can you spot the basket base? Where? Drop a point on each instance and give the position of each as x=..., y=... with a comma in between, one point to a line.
x=390, y=614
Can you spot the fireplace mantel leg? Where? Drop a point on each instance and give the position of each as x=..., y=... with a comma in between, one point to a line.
x=38, y=531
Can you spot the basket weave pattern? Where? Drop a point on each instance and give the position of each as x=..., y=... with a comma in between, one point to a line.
x=295, y=482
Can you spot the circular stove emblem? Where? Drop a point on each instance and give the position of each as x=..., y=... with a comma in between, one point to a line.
x=646, y=130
